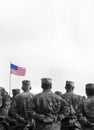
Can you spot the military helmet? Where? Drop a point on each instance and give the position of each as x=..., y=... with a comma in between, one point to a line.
x=69, y=84
x=89, y=86
x=26, y=84
x=46, y=83
x=16, y=91
x=90, y=89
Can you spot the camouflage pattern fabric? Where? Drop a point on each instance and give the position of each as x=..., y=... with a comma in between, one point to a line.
x=4, y=102
x=2, y=127
x=86, y=113
x=48, y=109
x=20, y=106
x=73, y=101
x=4, y=108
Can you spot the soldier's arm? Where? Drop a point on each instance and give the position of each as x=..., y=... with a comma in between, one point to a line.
x=80, y=114
x=32, y=111
x=64, y=110
x=14, y=111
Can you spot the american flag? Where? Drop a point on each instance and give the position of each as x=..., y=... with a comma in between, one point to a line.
x=16, y=70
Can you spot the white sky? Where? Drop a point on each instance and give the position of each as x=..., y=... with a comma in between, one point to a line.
x=50, y=38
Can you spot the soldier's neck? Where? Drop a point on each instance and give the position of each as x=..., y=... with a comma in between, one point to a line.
x=26, y=91
x=69, y=91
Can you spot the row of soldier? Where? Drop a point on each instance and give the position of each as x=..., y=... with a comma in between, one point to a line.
x=47, y=110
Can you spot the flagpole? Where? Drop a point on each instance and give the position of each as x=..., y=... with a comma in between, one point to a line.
x=10, y=80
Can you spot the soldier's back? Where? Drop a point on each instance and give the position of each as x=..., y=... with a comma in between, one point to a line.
x=72, y=99
x=22, y=101
x=4, y=102
x=85, y=113
x=89, y=108
x=48, y=106
x=47, y=102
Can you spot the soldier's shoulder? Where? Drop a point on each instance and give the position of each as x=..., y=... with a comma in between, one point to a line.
x=18, y=96
x=30, y=94
x=66, y=95
x=71, y=96
x=44, y=95
x=22, y=95
x=88, y=103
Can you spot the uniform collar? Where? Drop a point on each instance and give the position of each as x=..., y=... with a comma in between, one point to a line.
x=47, y=91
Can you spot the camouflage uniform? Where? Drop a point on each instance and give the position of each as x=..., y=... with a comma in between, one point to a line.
x=4, y=108
x=20, y=107
x=48, y=109
x=21, y=104
x=86, y=110
x=4, y=102
x=73, y=101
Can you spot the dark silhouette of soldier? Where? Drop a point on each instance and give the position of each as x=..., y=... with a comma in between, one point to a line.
x=4, y=108
x=14, y=93
x=20, y=106
x=86, y=109
x=48, y=109
x=73, y=101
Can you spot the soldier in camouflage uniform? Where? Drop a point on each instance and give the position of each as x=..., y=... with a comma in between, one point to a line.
x=20, y=105
x=86, y=109
x=47, y=108
x=4, y=102
x=4, y=108
x=14, y=93
x=73, y=101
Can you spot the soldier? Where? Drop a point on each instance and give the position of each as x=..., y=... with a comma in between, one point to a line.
x=73, y=101
x=4, y=102
x=86, y=109
x=20, y=105
x=47, y=108
x=4, y=108
x=15, y=92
